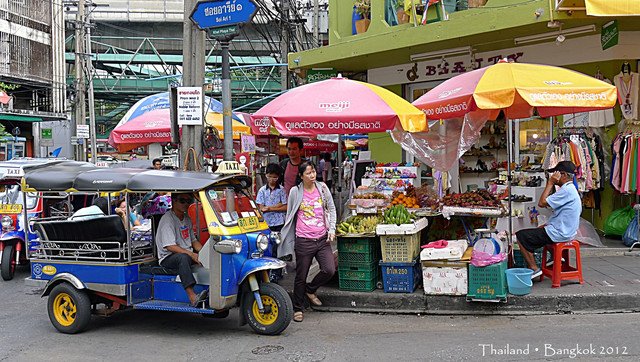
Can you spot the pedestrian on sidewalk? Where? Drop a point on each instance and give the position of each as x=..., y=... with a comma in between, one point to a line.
x=327, y=171
x=309, y=229
x=290, y=165
x=565, y=220
x=272, y=202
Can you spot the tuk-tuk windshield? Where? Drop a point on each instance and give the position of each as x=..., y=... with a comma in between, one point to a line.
x=231, y=204
x=12, y=195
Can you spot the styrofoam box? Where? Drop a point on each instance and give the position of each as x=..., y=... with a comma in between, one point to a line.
x=445, y=280
x=454, y=251
x=403, y=229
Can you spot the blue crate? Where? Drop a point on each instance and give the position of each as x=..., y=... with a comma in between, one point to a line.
x=401, y=277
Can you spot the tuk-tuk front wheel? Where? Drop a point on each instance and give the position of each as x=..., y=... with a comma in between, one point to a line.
x=9, y=262
x=278, y=310
x=69, y=308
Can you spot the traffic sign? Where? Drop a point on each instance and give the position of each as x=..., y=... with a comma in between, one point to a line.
x=82, y=131
x=223, y=32
x=46, y=137
x=220, y=13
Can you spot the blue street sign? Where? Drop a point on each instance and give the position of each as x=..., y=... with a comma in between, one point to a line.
x=218, y=13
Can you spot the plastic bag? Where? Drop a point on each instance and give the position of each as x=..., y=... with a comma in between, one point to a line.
x=588, y=235
x=480, y=258
x=617, y=222
x=631, y=234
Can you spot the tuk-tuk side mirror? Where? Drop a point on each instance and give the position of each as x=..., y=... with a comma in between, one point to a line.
x=228, y=246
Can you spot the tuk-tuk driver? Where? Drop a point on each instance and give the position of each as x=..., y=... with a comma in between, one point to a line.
x=177, y=244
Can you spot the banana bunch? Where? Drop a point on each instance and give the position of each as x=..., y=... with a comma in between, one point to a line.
x=398, y=214
x=358, y=225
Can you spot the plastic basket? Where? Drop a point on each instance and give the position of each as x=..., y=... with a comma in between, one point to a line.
x=400, y=248
x=401, y=277
x=488, y=283
x=518, y=259
x=357, y=245
x=357, y=285
x=358, y=272
x=362, y=251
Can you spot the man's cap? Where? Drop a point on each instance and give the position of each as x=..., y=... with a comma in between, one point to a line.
x=564, y=166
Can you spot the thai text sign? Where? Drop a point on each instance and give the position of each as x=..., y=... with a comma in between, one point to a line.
x=189, y=101
x=214, y=14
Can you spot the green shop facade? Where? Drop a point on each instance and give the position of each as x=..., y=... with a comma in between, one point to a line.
x=410, y=58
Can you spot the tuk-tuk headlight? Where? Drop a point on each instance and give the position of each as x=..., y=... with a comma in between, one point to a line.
x=228, y=246
x=275, y=237
x=262, y=242
x=7, y=222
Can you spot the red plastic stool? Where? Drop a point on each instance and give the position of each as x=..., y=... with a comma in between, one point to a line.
x=561, y=269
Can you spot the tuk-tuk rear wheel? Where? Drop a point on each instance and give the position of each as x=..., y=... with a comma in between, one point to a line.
x=69, y=308
x=278, y=310
x=8, y=266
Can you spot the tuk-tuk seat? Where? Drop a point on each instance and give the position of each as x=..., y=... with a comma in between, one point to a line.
x=107, y=228
x=155, y=269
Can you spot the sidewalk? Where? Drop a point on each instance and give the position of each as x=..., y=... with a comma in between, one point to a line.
x=612, y=284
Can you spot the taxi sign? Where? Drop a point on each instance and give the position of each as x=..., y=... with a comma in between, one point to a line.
x=249, y=224
x=229, y=168
x=10, y=208
x=11, y=172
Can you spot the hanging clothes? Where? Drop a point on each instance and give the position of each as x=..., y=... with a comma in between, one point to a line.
x=625, y=173
x=582, y=150
x=627, y=84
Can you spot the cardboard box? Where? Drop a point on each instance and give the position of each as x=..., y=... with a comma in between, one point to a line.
x=454, y=251
x=444, y=278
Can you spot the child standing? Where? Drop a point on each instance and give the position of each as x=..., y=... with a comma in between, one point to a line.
x=271, y=198
x=272, y=202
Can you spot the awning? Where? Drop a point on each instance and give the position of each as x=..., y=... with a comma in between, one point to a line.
x=613, y=7
x=18, y=118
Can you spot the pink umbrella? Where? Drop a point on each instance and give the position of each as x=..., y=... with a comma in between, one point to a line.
x=150, y=127
x=339, y=106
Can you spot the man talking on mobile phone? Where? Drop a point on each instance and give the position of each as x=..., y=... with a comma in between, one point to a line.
x=563, y=223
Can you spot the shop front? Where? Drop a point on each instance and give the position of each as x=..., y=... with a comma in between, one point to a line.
x=413, y=64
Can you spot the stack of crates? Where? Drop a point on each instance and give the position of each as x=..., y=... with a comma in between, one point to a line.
x=358, y=263
x=488, y=283
x=400, y=246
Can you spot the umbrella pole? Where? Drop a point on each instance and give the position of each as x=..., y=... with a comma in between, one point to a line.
x=339, y=185
x=509, y=178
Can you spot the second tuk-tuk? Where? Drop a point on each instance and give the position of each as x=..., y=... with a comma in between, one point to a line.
x=101, y=265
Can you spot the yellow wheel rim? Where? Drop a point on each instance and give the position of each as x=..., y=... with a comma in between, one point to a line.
x=64, y=309
x=266, y=318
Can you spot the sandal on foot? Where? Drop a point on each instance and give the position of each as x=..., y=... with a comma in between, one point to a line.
x=298, y=317
x=201, y=297
x=314, y=299
x=536, y=273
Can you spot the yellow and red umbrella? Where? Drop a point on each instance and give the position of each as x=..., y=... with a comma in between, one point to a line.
x=238, y=128
x=518, y=89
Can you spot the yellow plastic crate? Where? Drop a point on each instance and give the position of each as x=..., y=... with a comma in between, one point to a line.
x=400, y=248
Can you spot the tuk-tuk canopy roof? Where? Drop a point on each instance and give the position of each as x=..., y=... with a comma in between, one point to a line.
x=82, y=176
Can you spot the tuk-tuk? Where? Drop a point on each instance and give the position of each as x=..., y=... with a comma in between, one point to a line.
x=15, y=211
x=102, y=264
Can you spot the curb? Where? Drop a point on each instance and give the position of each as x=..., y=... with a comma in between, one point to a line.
x=417, y=303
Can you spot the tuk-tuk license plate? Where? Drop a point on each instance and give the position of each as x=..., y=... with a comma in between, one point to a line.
x=248, y=224
x=10, y=208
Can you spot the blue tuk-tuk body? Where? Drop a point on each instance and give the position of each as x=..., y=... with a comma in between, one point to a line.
x=101, y=264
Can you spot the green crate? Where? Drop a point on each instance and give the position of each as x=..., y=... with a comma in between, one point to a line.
x=519, y=262
x=358, y=245
x=358, y=285
x=488, y=283
x=358, y=251
x=358, y=272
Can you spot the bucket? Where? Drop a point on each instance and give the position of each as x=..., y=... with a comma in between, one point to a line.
x=519, y=281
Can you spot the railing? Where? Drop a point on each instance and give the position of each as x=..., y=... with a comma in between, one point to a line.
x=93, y=251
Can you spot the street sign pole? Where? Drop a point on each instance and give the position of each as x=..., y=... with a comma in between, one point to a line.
x=227, y=129
x=223, y=19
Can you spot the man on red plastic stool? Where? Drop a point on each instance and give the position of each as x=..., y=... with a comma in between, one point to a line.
x=563, y=223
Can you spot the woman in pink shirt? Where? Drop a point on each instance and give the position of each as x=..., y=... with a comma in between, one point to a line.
x=309, y=229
